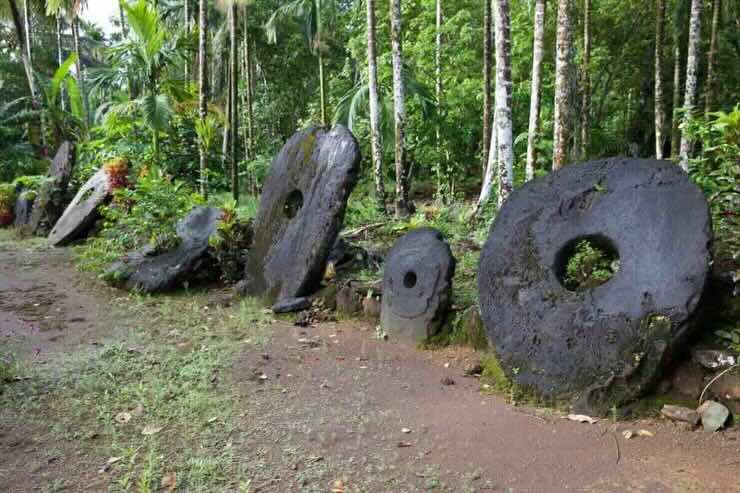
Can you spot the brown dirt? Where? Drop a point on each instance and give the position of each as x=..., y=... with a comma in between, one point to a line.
x=334, y=405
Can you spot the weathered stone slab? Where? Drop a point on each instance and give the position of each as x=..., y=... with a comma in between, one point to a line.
x=606, y=345
x=301, y=211
x=289, y=305
x=82, y=212
x=149, y=271
x=24, y=209
x=52, y=194
x=417, y=285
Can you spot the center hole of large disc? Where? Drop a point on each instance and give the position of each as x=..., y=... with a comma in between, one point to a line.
x=586, y=262
x=409, y=279
x=293, y=204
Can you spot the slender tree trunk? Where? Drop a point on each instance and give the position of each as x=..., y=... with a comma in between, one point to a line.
x=248, y=88
x=675, y=131
x=399, y=112
x=586, y=89
x=711, y=57
x=234, y=101
x=29, y=53
x=322, y=75
x=375, y=144
x=203, y=88
x=489, y=174
x=186, y=14
x=441, y=172
x=659, y=105
x=27, y=66
x=534, y=103
x=503, y=122
x=563, y=76
x=692, y=67
x=486, y=84
x=60, y=61
x=124, y=32
x=79, y=67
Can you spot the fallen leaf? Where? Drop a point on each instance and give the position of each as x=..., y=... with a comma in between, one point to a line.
x=169, y=482
x=405, y=430
x=582, y=418
x=213, y=419
x=627, y=434
x=123, y=418
x=151, y=430
x=337, y=486
x=644, y=433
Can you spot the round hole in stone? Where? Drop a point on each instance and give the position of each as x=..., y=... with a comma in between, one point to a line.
x=409, y=279
x=586, y=262
x=293, y=204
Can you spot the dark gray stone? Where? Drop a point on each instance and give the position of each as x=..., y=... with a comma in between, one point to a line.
x=52, y=194
x=680, y=413
x=149, y=271
x=417, y=285
x=301, y=211
x=606, y=345
x=291, y=305
x=82, y=212
x=24, y=209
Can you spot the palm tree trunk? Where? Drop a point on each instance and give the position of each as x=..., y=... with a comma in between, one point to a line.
x=29, y=54
x=534, y=103
x=441, y=172
x=203, y=88
x=322, y=75
x=659, y=107
x=486, y=84
x=586, y=88
x=675, y=117
x=503, y=123
x=248, y=89
x=403, y=208
x=234, y=101
x=78, y=66
x=375, y=145
x=711, y=57
x=692, y=67
x=563, y=75
x=60, y=60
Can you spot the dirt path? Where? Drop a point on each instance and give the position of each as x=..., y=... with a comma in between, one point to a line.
x=330, y=403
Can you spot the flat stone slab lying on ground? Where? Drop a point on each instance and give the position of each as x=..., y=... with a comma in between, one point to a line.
x=149, y=271
x=50, y=200
x=680, y=413
x=82, y=212
x=289, y=305
x=606, y=345
x=417, y=285
x=301, y=211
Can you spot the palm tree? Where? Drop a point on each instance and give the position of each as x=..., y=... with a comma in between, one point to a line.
x=233, y=99
x=403, y=207
x=203, y=89
x=692, y=67
x=563, y=64
x=312, y=14
x=503, y=123
x=375, y=144
x=24, y=37
x=659, y=109
x=486, y=81
x=534, y=105
x=586, y=81
x=72, y=9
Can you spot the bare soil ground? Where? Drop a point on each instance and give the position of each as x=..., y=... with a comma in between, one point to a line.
x=328, y=408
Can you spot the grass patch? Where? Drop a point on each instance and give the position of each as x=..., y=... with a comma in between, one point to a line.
x=173, y=376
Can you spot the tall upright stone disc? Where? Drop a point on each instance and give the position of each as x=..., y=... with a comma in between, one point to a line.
x=301, y=211
x=608, y=344
x=52, y=195
x=82, y=212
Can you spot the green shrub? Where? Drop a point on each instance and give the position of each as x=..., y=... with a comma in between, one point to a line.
x=588, y=266
x=145, y=214
x=7, y=203
x=28, y=182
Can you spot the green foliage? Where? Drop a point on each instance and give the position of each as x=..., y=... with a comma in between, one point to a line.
x=717, y=171
x=145, y=214
x=588, y=266
x=230, y=243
